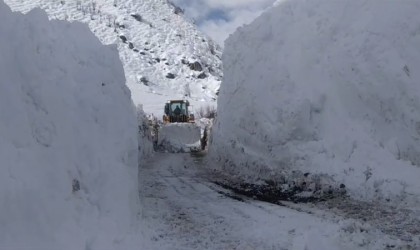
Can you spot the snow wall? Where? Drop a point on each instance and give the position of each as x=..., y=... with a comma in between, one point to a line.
x=330, y=89
x=144, y=135
x=68, y=138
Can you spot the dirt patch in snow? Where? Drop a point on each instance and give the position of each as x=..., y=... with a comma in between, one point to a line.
x=399, y=223
x=271, y=193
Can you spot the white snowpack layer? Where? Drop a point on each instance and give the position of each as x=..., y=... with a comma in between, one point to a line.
x=162, y=42
x=182, y=209
x=179, y=136
x=326, y=87
x=65, y=114
x=144, y=134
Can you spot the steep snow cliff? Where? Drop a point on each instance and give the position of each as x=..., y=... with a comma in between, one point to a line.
x=325, y=93
x=68, y=145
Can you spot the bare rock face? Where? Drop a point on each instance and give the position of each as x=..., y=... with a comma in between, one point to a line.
x=196, y=66
x=202, y=76
x=170, y=76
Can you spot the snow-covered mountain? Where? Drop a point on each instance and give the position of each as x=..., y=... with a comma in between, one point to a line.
x=164, y=55
x=321, y=94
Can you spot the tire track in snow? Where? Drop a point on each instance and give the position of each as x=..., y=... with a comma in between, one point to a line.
x=183, y=209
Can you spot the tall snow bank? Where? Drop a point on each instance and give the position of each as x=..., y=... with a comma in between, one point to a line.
x=326, y=88
x=68, y=145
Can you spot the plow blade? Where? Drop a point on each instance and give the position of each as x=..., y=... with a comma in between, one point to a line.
x=180, y=137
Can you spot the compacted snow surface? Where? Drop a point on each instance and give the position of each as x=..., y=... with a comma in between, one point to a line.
x=325, y=95
x=183, y=208
x=68, y=145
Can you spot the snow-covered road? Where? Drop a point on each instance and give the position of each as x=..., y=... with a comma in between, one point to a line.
x=182, y=209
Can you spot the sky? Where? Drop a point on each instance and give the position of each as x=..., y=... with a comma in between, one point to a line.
x=219, y=18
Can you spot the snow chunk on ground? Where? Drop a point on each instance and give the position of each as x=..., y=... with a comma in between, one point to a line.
x=68, y=148
x=326, y=89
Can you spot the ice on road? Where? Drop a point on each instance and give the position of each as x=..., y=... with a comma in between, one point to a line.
x=182, y=209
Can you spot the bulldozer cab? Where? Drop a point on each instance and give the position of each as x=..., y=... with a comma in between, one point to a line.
x=177, y=111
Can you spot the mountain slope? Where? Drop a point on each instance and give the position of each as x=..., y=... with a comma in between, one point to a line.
x=163, y=54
